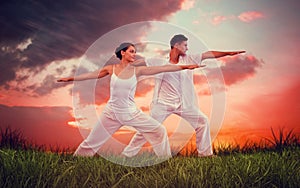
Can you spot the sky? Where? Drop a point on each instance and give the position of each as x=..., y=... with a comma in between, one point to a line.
x=41, y=41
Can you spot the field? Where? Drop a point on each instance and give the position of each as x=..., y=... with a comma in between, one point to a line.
x=274, y=163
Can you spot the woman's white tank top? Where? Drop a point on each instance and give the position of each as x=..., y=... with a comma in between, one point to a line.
x=122, y=93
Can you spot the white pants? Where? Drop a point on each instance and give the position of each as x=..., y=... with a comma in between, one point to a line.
x=193, y=115
x=151, y=130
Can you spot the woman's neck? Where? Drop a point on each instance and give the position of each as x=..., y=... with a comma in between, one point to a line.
x=124, y=63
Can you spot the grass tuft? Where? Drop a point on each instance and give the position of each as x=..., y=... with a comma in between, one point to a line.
x=283, y=140
x=12, y=139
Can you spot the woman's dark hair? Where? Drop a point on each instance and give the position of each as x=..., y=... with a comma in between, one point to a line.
x=123, y=47
x=177, y=39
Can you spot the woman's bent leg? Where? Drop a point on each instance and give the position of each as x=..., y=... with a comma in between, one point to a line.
x=98, y=136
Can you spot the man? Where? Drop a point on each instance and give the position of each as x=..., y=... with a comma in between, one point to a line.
x=174, y=94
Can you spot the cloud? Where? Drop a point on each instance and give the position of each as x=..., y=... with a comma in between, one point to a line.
x=187, y=4
x=237, y=68
x=219, y=19
x=24, y=45
x=36, y=33
x=234, y=69
x=46, y=86
x=250, y=16
x=41, y=83
x=247, y=17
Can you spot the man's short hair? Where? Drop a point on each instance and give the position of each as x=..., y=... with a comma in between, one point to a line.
x=177, y=39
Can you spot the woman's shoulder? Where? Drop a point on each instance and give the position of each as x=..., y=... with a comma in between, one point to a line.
x=108, y=68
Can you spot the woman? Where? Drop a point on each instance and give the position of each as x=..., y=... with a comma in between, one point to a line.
x=121, y=109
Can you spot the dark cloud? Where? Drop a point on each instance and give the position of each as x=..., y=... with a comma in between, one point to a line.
x=234, y=70
x=65, y=29
x=237, y=68
x=47, y=85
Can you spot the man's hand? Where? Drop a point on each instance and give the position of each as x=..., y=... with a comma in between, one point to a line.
x=65, y=80
x=236, y=52
x=191, y=66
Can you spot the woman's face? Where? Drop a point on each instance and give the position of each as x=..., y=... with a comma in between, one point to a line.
x=129, y=54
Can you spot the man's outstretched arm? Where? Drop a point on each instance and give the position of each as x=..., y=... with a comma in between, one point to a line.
x=217, y=54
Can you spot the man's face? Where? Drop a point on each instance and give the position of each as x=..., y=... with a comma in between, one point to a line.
x=181, y=47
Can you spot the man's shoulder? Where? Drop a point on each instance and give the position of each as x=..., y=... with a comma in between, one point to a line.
x=188, y=56
x=191, y=58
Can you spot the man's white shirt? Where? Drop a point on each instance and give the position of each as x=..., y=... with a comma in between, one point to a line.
x=175, y=88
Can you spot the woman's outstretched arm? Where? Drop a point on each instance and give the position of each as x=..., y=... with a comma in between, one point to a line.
x=139, y=62
x=86, y=76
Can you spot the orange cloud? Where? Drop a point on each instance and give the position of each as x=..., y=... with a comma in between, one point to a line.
x=218, y=19
x=187, y=4
x=250, y=16
x=244, y=17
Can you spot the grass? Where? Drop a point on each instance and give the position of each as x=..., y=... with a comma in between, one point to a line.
x=39, y=169
x=238, y=166
x=277, y=143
